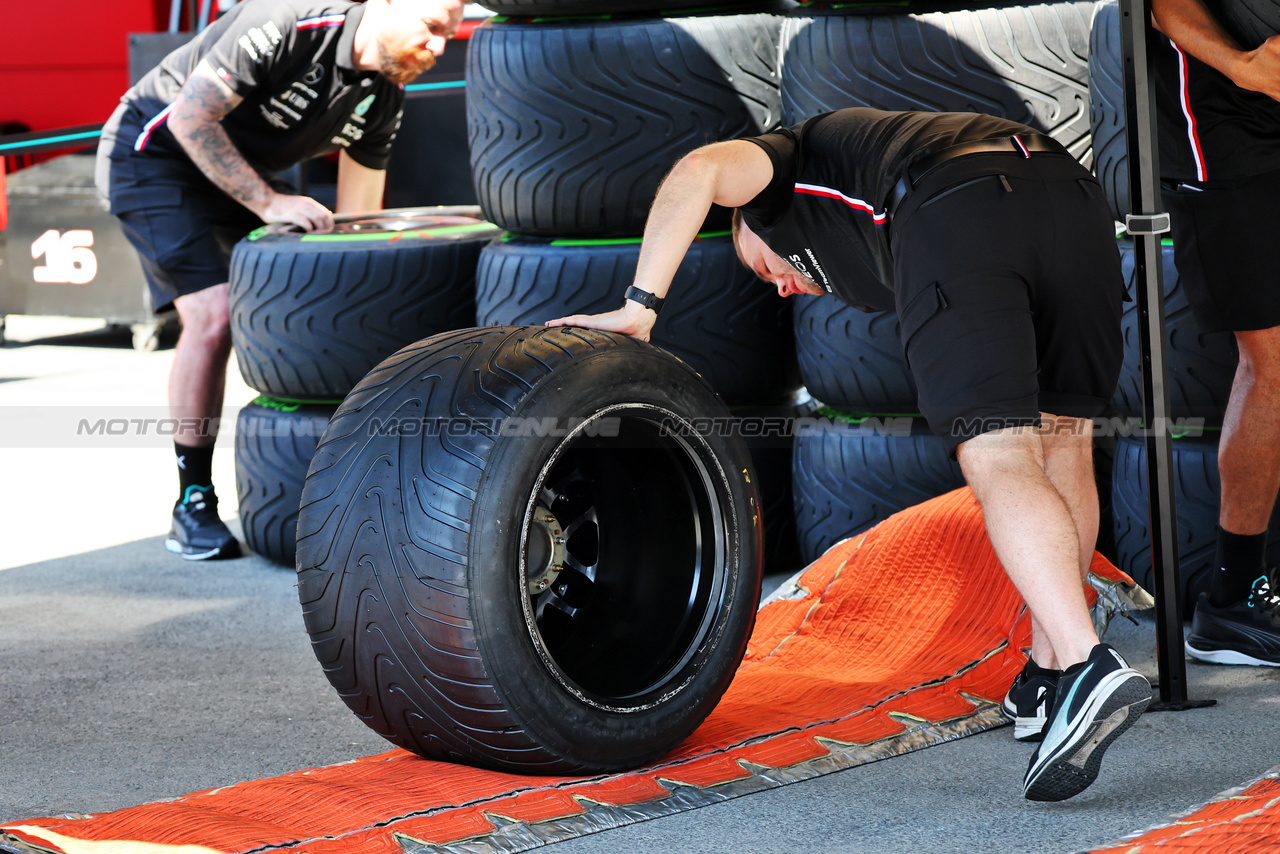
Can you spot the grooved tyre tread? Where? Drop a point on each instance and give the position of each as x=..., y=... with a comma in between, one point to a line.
x=312, y=314
x=1201, y=365
x=848, y=478
x=1024, y=63
x=1197, y=490
x=600, y=7
x=727, y=324
x=1106, y=109
x=1251, y=21
x=412, y=550
x=274, y=446
x=852, y=359
x=573, y=124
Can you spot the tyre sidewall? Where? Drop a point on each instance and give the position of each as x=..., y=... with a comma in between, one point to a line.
x=582, y=734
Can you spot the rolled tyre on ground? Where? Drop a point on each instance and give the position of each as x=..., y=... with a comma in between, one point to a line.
x=514, y=551
x=275, y=441
x=728, y=325
x=313, y=313
x=574, y=123
x=1201, y=365
x=1024, y=63
x=851, y=359
x=1197, y=493
x=850, y=474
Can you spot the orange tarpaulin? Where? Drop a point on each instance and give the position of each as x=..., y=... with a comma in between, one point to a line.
x=900, y=638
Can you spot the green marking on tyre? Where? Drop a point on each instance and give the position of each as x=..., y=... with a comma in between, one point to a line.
x=847, y=416
x=289, y=404
x=443, y=231
x=621, y=241
x=256, y=233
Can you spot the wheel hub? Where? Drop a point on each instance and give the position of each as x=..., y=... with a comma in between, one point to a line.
x=546, y=550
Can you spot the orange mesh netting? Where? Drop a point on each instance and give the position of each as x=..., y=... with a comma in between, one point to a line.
x=1239, y=821
x=903, y=637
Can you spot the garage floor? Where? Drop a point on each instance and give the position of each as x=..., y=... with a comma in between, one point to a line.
x=130, y=676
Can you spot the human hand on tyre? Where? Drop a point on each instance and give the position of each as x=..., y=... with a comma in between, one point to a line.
x=303, y=211
x=632, y=319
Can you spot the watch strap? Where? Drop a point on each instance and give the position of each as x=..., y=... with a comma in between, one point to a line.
x=646, y=299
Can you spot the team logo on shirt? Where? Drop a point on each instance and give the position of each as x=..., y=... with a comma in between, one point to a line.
x=363, y=106
x=259, y=41
x=314, y=75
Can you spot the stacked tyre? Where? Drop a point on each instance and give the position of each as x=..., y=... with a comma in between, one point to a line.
x=872, y=455
x=311, y=314
x=573, y=122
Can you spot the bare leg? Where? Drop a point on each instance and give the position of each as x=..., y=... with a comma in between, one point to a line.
x=198, y=378
x=1039, y=531
x=1249, y=453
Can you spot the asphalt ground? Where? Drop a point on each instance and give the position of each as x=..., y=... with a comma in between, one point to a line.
x=129, y=676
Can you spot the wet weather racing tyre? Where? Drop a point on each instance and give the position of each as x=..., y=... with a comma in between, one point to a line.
x=849, y=475
x=596, y=7
x=1106, y=109
x=574, y=123
x=516, y=551
x=852, y=359
x=1025, y=63
x=274, y=444
x=727, y=324
x=1197, y=487
x=1251, y=21
x=1201, y=365
x=313, y=313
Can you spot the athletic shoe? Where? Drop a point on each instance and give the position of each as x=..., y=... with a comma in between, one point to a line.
x=1097, y=700
x=1028, y=701
x=1245, y=632
x=198, y=533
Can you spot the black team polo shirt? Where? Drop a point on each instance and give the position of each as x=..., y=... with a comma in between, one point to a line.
x=824, y=211
x=291, y=61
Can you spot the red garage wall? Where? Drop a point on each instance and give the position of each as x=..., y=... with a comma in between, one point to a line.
x=66, y=62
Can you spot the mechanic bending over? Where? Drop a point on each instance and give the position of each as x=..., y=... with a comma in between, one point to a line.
x=998, y=252
x=186, y=162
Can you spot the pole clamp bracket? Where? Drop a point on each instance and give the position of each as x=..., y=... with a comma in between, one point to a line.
x=1146, y=223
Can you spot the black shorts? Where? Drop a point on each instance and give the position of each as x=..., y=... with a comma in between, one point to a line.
x=182, y=226
x=1009, y=292
x=1226, y=250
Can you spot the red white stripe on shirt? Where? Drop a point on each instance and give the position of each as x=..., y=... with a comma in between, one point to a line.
x=322, y=22
x=879, y=218
x=143, y=138
x=1184, y=98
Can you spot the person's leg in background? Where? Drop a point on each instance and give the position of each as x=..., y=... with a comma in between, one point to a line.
x=1238, y=622
x=197, y=382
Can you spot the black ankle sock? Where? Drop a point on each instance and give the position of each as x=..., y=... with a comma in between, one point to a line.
x=195, y=468
x=1034, y=669
x=1240, y=562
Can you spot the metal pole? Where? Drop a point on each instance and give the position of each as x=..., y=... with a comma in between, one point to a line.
x=1146, y=224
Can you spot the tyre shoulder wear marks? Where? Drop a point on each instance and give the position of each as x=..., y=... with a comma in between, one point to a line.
x=953, y=669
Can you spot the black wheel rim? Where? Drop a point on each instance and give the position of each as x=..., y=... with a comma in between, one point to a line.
x=625, y=555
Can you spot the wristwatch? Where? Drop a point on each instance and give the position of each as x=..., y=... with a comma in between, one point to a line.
x=645, y=298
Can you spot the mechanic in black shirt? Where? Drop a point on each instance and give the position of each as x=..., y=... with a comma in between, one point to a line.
x=1218, y=106
x=998, y=252
x=186, y=162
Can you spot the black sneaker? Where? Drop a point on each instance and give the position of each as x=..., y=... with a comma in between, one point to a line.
x=1028, y=701
x=198, y=533
x=1097, y=700
x=1245, y=632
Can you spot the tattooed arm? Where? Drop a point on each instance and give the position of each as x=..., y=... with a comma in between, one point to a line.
x=195, y=122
